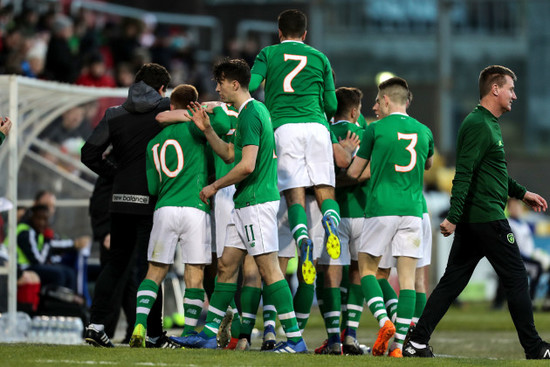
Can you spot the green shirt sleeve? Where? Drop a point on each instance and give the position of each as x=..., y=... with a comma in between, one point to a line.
x=153, y=177
x=515, y=190
x=331, y=103
x=472, y=144
x=2, y=137
x=367, y=142
x=220, y=121
x=255, y=82
x=333, y=137
x=250, y=134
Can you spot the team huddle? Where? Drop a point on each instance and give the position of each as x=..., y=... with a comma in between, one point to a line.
x=353, y=205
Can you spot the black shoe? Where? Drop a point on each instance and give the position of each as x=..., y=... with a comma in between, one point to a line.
x=97, y=338
x=410, y=351
x=409, y=333
x=351, y=346
x=161, y=342
x=544, y=352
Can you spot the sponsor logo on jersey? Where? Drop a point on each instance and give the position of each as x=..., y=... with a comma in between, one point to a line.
x=511, y=238
x=133, y=199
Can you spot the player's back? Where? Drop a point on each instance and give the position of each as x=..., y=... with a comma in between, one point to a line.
x=400, y=147
x=177, y=166
x=296, y=77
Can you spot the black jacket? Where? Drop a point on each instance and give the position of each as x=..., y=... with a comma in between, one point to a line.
x=128, y=128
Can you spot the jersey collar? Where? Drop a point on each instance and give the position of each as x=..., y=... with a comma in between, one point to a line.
x=292, y=41
x=244, y=104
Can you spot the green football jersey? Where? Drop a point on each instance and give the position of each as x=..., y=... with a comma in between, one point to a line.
x=296, y=77
x=221, y=168
x=351, y=199
x=398, y=147
x=254, y=128
x=176, y=164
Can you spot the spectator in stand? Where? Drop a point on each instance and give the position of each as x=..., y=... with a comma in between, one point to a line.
x=72, y=124
x=95, y=73
x=124, y=74
x=61, y=63
x=34, y=249
x=5, y=127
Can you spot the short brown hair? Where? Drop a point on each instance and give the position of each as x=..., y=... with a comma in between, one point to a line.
x=347, y=98
x=183, y=95
x=396, y=89
x=154, y=75
x=292, y=23
x=494, y=74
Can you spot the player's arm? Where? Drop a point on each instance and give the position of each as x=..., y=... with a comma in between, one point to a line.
x=202, y=121
x=356, y=168
x=331, y=103
x=344, y=149
x=241, y=171
x=429, y=163
x=255, y=82
x=172, y=116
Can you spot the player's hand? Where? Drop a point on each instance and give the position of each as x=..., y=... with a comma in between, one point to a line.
x=535, y=201
x=82, y=242
x=447, y=228
x=207, y=192
x=350, y=143
x=210, y=105
x=200, y=117
x=107, y=242
x=5, y=125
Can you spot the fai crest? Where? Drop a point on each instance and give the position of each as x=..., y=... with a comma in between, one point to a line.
x=511, y=238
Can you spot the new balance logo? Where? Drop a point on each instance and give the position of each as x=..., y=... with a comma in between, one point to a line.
x=410, y=350
x=144, y=301
x=546, y=354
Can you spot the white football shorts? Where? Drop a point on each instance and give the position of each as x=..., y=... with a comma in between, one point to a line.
x=190, y=227
x=304, y=156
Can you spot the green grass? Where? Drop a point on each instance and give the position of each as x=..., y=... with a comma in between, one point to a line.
x=471, y=336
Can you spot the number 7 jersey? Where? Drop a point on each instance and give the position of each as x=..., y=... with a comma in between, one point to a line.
x=296, y=77
x=397, y=147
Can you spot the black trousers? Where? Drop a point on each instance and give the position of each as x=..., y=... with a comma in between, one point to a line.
x=129, y=233
x=472, y=242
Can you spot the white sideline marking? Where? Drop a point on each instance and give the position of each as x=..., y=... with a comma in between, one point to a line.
x=75, y=362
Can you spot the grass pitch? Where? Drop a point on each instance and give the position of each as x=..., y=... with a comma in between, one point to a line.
x=471, y=336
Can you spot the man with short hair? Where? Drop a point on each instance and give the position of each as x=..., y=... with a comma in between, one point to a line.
x=129, y=128
x=399, y=149
x=176, y=172
x=299, y=94
x=480, y=189
x=253, y=225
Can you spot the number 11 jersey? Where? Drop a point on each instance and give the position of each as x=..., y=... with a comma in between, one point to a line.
x=296, y=77
x=397, y=147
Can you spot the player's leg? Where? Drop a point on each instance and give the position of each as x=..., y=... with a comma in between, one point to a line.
x=332, y=307
x=422, y=267
x=377, y=235
x=297, y=220
x=354, y=310
x=194, y=297
x=330, y=209
x=160, y=254
x=250, y=300
x=279, y=292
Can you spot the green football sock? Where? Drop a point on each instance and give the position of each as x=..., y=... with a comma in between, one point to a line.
x=390, y=298
x=303, y=299
x=250, y=300
x=405, y=311
x=330, y=207
x=297, y=220
x=282, y=298
x=146, y=296
x=419, y=307
x=319, y=288
x=374, y=297
x=221, y=298
x=331, y=315
x=355, y=306
x=344, y=294
x=236, y=323
x=192, y=306
x=269, y=311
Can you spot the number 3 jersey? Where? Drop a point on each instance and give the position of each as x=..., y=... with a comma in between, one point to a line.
x=177, y=165
x=296, y=75
x=397, y=147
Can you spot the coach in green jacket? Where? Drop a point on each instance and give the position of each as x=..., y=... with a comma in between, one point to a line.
x=5, y=126
x=480, y=190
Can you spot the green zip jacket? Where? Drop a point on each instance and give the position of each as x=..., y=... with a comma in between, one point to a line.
x=481, y=185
